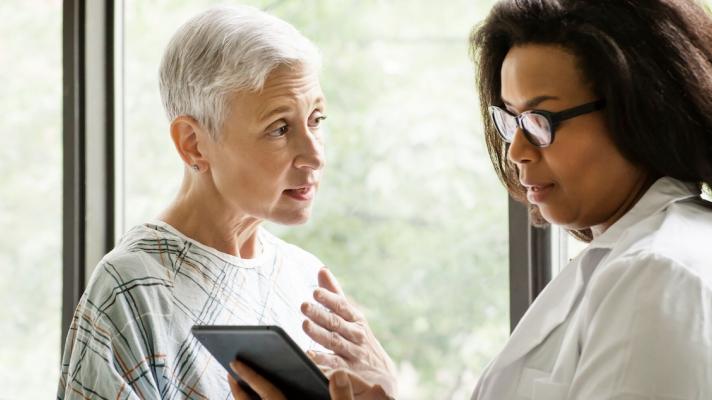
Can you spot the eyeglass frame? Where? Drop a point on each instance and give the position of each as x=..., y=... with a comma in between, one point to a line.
x=554, y=118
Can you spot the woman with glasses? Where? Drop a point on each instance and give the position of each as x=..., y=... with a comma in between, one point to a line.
x=598, y=116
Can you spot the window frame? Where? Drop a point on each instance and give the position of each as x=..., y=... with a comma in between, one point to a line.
x=530, y=260
x=88, y=170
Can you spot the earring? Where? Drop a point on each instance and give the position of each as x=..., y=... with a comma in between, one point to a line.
x=196, y=168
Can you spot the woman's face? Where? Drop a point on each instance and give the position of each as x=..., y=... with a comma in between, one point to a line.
x=268, y=160
x=581, y=180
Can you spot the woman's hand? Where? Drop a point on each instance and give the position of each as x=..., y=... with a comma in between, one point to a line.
x=260, y=385
x=344, y=330
x=342, y=386
x=345, y=386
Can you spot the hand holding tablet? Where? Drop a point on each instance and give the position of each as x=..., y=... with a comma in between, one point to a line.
x=271, y=353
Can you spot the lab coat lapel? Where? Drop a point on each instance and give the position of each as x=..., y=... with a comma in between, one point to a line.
x=548, y=311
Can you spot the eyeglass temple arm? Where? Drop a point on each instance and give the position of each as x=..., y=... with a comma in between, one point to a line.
x=580, y=110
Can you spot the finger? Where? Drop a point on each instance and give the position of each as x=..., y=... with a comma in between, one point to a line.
x=333, y=322
x=326, y=361
x=237, y=392
x=338, y=304
x=324, y=369
x=340, y=386
x=331, y=340
x=357, y=384
x=328, y=281
x=260, y=385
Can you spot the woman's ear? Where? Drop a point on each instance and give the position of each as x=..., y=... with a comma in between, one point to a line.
x=188, y=137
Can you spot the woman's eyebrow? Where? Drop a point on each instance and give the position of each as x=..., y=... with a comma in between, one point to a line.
x=269, y=113
x=531, y=103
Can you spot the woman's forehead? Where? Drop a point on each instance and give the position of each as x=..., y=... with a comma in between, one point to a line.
x=284, y=90
x=290, y=84
x=535, y=71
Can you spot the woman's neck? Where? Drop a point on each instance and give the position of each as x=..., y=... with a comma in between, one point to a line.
x=642, y=186
x=203, y=216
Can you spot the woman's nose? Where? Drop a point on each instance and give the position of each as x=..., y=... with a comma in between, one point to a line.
x=520, y=150
x=310, y=154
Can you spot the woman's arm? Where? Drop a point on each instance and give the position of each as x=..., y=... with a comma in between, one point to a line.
x=104, y=356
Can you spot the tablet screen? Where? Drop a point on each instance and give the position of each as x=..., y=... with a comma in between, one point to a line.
x=270, y=352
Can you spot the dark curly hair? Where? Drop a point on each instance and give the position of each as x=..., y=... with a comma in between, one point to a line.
x=650, y=59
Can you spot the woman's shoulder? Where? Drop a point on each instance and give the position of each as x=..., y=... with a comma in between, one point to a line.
x=679, y=240
x=645, y=306
x=672, y=261
x=670, y=251
x=651, y=297
x=143, y=254
x=150, y=237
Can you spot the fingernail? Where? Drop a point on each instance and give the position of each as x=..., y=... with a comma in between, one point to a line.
x=340, y=379
x=311, y=353
x=318, y=294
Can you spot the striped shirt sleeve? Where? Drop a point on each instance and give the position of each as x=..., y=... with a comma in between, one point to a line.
x=108, y=350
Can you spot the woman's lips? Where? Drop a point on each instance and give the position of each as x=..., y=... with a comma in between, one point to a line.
x=304, y=193
x=538, y=193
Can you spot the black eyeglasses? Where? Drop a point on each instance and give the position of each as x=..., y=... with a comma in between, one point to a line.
x=538, y=125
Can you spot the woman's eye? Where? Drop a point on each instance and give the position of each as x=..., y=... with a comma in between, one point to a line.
x=317, y=121
x=278, y=132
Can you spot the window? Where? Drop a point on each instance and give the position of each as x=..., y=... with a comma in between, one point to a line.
x=30, y=197
x=410, y=216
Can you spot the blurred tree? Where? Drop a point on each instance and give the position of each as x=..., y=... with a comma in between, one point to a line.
x=410, y=216
x=30, y=197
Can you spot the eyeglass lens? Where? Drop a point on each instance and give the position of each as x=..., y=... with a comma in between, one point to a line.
x=536, y=127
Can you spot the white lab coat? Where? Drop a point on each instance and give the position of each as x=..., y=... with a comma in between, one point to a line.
x=630, y=318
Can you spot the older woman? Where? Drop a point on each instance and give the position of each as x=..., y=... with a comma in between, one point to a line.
x=242, y=95
x=599, y=117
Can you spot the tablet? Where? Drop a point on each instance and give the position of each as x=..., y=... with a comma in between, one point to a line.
x=270, y=352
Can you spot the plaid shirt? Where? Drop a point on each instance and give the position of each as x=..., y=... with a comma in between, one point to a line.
x=130, y=337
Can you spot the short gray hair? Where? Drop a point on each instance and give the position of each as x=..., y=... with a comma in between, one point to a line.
x=224, y=50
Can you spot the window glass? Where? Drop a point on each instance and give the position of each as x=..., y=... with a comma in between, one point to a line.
x=564, y=248
x=30, y=197
x=410, y=215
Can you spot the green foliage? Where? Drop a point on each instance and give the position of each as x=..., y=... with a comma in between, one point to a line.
x=30, y=198
x=410, y=216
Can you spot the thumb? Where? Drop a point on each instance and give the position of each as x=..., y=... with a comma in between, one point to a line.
x=328, y=281
x=340, y=386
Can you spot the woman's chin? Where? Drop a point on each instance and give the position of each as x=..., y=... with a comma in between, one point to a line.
x=293, y=218
x=556, y=216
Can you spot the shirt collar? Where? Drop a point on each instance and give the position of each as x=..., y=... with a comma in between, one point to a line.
x=659, y=196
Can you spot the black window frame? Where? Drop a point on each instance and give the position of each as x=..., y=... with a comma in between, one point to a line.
x=88, y=119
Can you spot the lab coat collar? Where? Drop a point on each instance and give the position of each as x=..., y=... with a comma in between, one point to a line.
x=659, y=196
x=559, y=297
